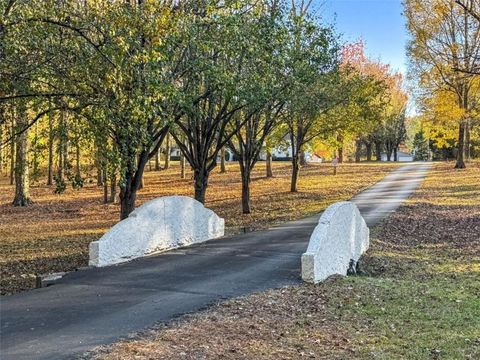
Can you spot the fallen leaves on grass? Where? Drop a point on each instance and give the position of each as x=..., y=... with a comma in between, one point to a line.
x=272, y=325
x=53, y=234
x=406, y=309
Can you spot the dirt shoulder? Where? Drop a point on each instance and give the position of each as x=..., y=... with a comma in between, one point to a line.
x=419, y=300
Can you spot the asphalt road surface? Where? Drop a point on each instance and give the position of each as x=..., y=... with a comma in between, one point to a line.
x=100, y=305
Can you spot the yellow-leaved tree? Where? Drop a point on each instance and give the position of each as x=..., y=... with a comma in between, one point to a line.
x=444, y=48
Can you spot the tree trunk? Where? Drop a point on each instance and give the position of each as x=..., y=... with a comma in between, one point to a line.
x=36, y=153
x=61, y=168
x=295, y=171
x=130, y=183
x=62, y=148
x=182, y=166
x=296, y=150
x=302, y=158
x=358, y=150
x=12, y=151
x=201, y=183
x=66, y=162
x=105, y=184
x=157, y=161
x=141, y=181
x=113, y=187
x=269, y=164
x=98, y=165
x=467, y=139
x=245, y=174
x=340, y=148
x=127, y=201
x=50, y=149
x=460, y=164
x=223, y=168
x=167, y=152
x=444, y=153
x=22, y=184
x=395, y=154
x=378, y=151
x=369, y=151
x=1, y=141
x=389, y=154
x=77, y=160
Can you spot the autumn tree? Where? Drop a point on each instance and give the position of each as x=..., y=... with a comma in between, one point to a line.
x=264, y=111
x=114, y=73
x=111, y=79
x=313, y=62
x=444, y=51
x=220, y=81
x=21, y=74
x=377, y=109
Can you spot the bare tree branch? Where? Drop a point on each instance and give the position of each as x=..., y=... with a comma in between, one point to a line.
x=469, y=9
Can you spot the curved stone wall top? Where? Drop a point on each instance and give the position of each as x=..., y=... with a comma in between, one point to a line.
x=160, y=224
x=340, y=237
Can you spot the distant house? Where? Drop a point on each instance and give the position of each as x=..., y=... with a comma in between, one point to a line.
x=402, y=156
x=316, y=158
x=175, y=154
x=279, y=153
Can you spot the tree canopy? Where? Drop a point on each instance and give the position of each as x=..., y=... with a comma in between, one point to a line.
x=107, y=82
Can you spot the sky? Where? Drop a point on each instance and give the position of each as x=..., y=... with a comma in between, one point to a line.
x=378, y=22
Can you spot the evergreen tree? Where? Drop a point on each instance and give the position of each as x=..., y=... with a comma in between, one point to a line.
x=420, y=146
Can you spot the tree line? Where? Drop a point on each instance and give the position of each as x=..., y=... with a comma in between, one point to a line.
x=445, y=66
x=119, y=81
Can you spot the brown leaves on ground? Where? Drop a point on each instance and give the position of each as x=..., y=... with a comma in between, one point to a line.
x=288, y=323
x=420, y=300
x=53, y=234
x=441, y=223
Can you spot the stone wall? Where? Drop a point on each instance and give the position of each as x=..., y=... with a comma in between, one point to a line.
x=160, y=224
x=336, y=244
